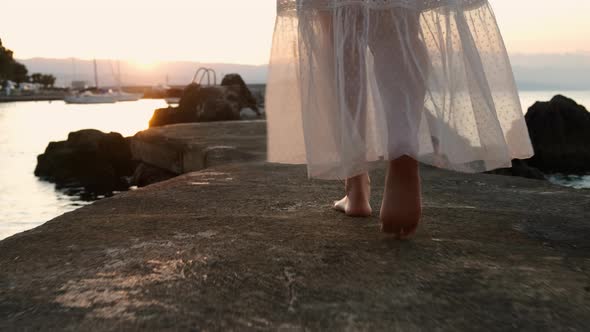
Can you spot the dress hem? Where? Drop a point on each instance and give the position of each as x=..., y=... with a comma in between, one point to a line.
x=329, y=172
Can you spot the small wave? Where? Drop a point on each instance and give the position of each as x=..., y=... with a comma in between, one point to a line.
x=572, y=181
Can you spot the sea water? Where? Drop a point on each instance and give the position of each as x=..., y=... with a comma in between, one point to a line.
x=25, y=130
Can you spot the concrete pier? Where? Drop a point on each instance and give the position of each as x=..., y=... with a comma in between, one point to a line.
x=184, y=148
x=247, y=245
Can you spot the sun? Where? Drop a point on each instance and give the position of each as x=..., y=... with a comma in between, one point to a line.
x=144, y=64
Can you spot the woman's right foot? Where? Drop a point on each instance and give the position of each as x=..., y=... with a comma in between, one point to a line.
x=356, y=201
x=401, y=208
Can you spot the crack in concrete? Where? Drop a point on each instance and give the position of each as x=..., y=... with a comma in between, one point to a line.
x=290, y=274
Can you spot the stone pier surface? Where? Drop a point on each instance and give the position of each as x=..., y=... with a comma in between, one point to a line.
x=183, y=148
x=255, y=246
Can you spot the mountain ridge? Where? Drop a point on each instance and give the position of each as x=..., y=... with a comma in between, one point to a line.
x=551, y=71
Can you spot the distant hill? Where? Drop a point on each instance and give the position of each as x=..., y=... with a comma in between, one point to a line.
x=532, y=71
x=178, y=73
x=552, y=71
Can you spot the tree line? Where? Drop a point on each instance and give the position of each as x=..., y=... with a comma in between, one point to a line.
x=12, y=70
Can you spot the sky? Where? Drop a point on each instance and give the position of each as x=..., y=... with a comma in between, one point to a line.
x=231, y=31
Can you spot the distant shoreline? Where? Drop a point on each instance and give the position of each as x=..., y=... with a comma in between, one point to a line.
x=257, y=88
x=8, y=99
x=145, y=89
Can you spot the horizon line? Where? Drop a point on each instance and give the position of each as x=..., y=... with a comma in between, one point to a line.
x=580, y=52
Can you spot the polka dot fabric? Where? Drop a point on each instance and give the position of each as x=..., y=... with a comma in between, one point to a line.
x=355, y=82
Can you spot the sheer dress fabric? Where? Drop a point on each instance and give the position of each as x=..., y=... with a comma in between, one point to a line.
x=354, y=82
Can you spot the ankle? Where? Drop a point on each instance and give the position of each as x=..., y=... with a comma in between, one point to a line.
x=404, y=168
x=404, y=162
x=357, y=183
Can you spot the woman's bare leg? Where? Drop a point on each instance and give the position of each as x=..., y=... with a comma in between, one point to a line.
x=356, y=201
x=348, y=77
x=401, y=207
x=400, y=58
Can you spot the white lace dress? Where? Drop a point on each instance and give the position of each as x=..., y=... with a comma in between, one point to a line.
x=353, y=82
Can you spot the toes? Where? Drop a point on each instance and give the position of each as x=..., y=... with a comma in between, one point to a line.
x=339, y=205
x=352, y=210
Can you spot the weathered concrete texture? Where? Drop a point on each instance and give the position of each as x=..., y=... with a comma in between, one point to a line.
x=183, y=148
x=255, y=246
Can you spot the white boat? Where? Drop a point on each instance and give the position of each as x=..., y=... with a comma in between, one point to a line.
x=92, y=97
x=88, y=97
x=126, y=96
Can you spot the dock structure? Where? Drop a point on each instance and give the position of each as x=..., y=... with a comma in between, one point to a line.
x=236, y=243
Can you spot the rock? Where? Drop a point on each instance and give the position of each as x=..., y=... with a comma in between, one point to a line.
x=522, y=169
x=248, y=114
x=246, y=98
x=219, y=104
x=171, y=115
x=90, y=159
x=209, y=103
x=189, y=147
x=193, y=96
x=146, y=174
x=201, y=104
x=560, y=133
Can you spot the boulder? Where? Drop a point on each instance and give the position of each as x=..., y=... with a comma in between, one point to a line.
x=171, y=115
x=560, y=133
x=218, y=104
x=209, y=103
x=90, y=159
x=201, y=104
x=521, y=169
x=246, y=98
x=146, y=174
x=249, y=114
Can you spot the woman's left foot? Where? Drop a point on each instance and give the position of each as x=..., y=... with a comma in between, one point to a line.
x=356, y=201
x=401, y=208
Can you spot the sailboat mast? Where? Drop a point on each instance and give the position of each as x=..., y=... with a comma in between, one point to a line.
x=119, y=74
x=95, y=75
x=74, y=74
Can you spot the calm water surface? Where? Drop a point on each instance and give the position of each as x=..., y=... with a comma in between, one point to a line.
x=25, y=130
x=27, y=127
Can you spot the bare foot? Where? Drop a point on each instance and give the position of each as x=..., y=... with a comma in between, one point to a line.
x=356, y=201
x=401, y=207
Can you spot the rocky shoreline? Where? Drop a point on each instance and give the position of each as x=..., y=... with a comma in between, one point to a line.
x=560, y=134
x=91, y=159
x=230, y=101
x=98, y=164
x=102, y=163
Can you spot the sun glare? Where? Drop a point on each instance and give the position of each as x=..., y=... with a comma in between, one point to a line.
x=144, y=64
